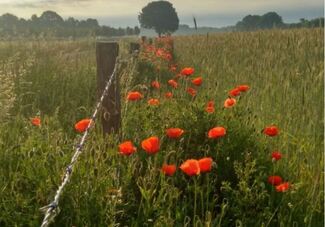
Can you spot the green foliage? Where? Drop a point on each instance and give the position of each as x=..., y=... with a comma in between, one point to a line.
x=51, y=18
x=51, y=24
x=266, y=21
x=229, y=152
x=159, y=15
x=247, y=202
x=57, y=81
x=280, y=97
x=313, y=23
x=273, y=20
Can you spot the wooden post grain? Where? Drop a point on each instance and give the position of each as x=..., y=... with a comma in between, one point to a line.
x=106, y=54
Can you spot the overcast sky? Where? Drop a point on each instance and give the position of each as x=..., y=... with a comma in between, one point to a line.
x=207, y=12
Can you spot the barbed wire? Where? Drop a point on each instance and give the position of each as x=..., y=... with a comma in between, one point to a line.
x=52, y=209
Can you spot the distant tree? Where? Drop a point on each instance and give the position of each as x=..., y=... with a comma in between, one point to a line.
x=92, y=22
x=183, y=26
x=136, y=30
x=9, y=17
x=249, y=22
x=34, y=18
x=317, y=22
x=271, y=20
x=51, y=18
x=159, y=15
x=71, y=22
x=120, y=32
x=8, y=24
x=254, y=22
x=302, y=20
x=304, y=23
x=129, y=31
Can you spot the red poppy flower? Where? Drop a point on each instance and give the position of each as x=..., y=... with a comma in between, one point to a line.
x=276, y=155
x=36, y=121
x=191, y=91
x=82, y=125
x=243, y=88
x=153, y=102
x=155, y=84
x=271, y=130
x=234, y=92
x=151, y=145
x=187, y=71
x=274, y=180
x=210, y=107
x=205, y=164
x=160, y=52
x=174, y=132
x=229, y=102
x=168, y=170
x=168, y=95
x=191, y=167
x=197, y=81
x=134, y=95
x=217, y=132
x=168, y=57
x=173, y=83
x=127, y=148
x=282, y=187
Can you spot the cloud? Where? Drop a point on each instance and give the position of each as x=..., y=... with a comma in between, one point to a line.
x=238, y=6
x=25, y=5
x=207, y=11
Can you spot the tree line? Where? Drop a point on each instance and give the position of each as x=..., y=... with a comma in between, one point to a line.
x=51, y=24
x=273, y=20
x=162, y=17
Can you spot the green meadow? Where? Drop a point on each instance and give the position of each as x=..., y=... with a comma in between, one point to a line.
x=56, y=81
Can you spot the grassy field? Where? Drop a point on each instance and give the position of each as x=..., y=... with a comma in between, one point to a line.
x=57, y=82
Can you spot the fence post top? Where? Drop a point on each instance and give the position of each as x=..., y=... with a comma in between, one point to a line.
x=107, y=45
x=106, y=41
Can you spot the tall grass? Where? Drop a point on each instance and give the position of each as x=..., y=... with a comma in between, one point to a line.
x=57, y=81
x=286, y=72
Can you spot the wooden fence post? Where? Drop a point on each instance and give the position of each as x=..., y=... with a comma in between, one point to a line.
x=106, y=54
x=134, y=47
x=143, y=39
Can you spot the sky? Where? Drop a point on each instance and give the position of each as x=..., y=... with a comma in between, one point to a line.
x=214, y=13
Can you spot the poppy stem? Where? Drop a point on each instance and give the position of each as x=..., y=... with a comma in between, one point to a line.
x=195, y=197
x=208, y=191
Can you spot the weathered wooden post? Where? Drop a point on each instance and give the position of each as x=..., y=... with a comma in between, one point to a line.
x=106, y=54
x=143, y=39
x=134, y=47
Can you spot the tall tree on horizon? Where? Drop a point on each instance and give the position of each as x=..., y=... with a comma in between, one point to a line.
x=159, y=15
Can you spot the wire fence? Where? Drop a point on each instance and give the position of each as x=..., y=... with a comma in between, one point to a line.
x=52, y=209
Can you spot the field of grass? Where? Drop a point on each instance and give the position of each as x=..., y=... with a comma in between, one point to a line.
x=57, y=82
